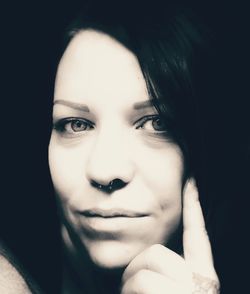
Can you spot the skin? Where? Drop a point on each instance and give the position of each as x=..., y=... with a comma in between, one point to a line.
x=11, y=282
x=160, y=270
x=113, y=136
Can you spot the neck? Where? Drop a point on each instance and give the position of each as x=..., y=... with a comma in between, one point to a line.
x=81, y=275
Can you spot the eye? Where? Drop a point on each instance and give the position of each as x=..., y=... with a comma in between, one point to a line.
x=71, y=126
x=152, y=123
x=77, y=126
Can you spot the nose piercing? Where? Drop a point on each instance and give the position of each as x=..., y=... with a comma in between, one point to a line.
x=108, y=187
x=113, y=185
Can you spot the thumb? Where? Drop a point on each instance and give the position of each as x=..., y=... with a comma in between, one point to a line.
x=196, y=244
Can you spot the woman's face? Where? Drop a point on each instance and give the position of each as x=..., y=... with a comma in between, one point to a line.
x=105, y=128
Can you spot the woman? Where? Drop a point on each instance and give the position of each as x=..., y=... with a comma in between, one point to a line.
x=124, y=157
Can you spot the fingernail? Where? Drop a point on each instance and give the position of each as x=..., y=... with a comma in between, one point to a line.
x=192, y=190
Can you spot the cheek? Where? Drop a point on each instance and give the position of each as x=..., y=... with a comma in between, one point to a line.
x=66, y=168
x=162, y=169
x=162, y=172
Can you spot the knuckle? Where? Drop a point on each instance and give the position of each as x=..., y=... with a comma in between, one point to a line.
x=141, y=276
x=155, y=250
x=141, y=279
x=152, y=254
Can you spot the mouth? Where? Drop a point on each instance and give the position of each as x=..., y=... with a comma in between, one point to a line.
x=112, y=213
x=111, y=222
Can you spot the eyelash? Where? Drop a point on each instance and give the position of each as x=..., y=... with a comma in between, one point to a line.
x=142, y=121
x=60, y=126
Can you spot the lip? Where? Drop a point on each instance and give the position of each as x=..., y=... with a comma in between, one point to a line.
x=112, y=223
x=112, y=213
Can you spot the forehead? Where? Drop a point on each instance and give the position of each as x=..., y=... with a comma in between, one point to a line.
x=98, y=68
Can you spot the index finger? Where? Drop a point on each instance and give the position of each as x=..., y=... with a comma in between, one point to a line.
x=196, y=244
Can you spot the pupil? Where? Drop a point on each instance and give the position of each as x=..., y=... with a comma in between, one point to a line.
x=78, y=125
x=157, y=124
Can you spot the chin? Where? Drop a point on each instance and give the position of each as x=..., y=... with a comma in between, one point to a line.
x=111, y=254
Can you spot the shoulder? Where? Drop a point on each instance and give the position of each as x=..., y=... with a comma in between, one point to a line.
x=11, y=281
x=13, y=278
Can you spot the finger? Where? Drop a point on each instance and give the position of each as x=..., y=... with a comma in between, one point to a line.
x=162, y=260
x=148, y=282
x=196, y=244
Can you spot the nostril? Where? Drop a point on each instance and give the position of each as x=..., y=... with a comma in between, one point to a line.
x=112, y=186
x=117, y=184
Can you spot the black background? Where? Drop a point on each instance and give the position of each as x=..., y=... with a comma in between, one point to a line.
x=30, y=36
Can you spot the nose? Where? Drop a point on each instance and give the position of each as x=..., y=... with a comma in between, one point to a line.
x=114, y=185
x=109, y=165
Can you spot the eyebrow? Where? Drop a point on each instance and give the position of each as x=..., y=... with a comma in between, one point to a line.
x=84, y=107
x=74, y=105
x=143, y=104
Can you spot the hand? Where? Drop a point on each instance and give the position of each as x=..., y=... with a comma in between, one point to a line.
x=159, y=270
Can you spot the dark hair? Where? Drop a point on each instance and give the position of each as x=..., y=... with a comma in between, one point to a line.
x=169, y=50
x=175, y=50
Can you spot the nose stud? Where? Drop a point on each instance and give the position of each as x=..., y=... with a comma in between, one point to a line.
x=108, y=187
x=112, y=186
